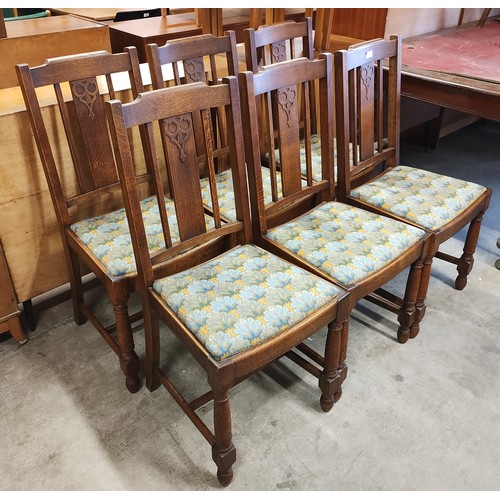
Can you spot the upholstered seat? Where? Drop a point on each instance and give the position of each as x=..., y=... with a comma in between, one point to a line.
x=346, y=242
x=225, y=192
x=108, y=236
x=242, y=298
x=425, y=198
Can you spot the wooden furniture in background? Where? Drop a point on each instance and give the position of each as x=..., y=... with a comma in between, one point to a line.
x=86, y=184
x=456, y=90
x=440, y=205
x=97, y=14
x=208, y=280
x=482, y=19
x=141, y=32
x=210, y=20
x=9, y=311
x=278, y=43
x=32, y=41
x=3, y=29
x=322, y=29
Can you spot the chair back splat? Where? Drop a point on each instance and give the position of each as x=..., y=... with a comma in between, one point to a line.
x=232, y=305
x=180, y=138
x=81, y=174
x=277, y=43
x=293, y=213
x=201, y=58
x=370, y=176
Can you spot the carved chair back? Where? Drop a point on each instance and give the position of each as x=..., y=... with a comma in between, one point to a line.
x=80, y=85
x=284, y=89
x=174, y=112
x=367, y=111
x=277, y=43
x=201, y=58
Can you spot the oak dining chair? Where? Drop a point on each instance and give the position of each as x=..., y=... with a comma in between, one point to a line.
x=368, y=95
x=81, y=174
x=232, y=305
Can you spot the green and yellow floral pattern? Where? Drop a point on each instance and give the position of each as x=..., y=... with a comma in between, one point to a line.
x=108, y=236
x=315, y=157
x=425, y=198
x=346, y=242
x=225, y=192
x=243, y=298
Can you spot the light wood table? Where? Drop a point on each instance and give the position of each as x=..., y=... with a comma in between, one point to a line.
x=32, y=41
x=140, y=32
x=105, y=14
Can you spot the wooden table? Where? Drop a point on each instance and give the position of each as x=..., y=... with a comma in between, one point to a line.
x=140, y=32
x=32, y=41
x=105, y=14
x=464, y=81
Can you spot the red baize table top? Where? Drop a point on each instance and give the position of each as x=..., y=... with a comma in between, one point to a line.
x=466, y=51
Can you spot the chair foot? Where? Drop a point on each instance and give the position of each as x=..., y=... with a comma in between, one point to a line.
x=152, y=385
x=131, y=369
x=403, y=335
x=79, y=318
x=337, y=395
x=133, y=384
x=415, y=327
x=327, y=402
x=414, y=330
x=224, y=461
x=460, y=282
x=225, y=478
x=330, y=388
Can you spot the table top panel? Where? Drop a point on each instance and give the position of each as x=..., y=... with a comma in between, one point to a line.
x=105, y=14
x=45, y=25
x=466, y=51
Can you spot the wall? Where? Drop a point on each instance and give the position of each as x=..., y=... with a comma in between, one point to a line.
x=413, y=22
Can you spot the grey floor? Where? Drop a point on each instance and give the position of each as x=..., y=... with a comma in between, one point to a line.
x=420, y=416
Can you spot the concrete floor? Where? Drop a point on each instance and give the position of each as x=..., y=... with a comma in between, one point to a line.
x=420, y=416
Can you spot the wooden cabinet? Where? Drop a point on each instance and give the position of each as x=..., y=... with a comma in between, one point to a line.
x=9, y=312
x=32, y=41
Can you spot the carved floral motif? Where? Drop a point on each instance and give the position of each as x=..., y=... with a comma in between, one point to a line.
x=366, y=77
x=86, y=91
x=195, y=70
x=178, y=129
x=286, y=99
x=279, y=52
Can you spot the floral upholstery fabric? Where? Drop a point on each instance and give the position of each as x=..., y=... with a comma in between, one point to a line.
x=225, y=192
x=346, y=242
x=242, y=298
x=315, y=157
x=108, y=236
x=428, y=199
